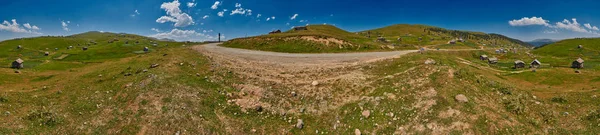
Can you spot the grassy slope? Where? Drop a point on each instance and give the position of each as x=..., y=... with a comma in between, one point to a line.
x=411, y=33
x=186, y=94
x=33, y=49
x=564, y=52
x=279, y=43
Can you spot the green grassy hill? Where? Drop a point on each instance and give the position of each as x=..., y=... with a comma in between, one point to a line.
x=564, y=52
x=101, y=47
x=317, y=39
x=430, y=35
x=327, y=38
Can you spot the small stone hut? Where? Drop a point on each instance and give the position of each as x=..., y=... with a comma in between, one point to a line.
x=535, y=64
x=297, y=28
x=19, y=47
x=18, y=64
x=146, y=49
x=579, y=46
x=84, y=48
x=382, y=39
x=275, y=32
x=483, y=57
x=493, y=60
x=577, y=63
x=519, y=64
x=46, y=53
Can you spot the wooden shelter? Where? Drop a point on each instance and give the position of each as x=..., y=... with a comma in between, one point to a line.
x=84, y=48
x=46, y=53
x=483, y=57
x=577, y=63
x=18, y=64
x=297, y=28
x=275, y=32
x=519, y=64
x=146, y=49
x=493, y=60
x=535, y=64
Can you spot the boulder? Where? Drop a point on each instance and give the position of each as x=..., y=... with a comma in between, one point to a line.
x=357, y=132
x=366, y=113
x=300, y=124
x=461, y=98
x=429, y=61
x=315, y=83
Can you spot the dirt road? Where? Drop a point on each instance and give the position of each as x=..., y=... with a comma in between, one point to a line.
x=302, y=59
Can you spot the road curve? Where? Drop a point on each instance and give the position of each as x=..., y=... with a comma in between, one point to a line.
x=298, y=58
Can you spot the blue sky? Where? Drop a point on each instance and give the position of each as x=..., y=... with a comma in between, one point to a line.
x=185, y=19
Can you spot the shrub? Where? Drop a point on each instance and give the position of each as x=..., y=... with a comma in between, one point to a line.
x=44, y=118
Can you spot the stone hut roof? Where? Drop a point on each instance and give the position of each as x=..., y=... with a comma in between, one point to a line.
x=493, y=59
x=579, y=60
x=519, y=61
x=536, y=61
x=19, y=60
x=485, y=56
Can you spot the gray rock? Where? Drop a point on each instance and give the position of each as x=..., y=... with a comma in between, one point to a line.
x=429, y=61
x=357, y=132
x=300, y=124
x=315, y=83
x=461, y=98
x=366, y=113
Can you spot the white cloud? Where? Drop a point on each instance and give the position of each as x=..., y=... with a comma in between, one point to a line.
x=257, y=16
x=240, y=10
x=302, y=21
x=573, y=26
x=15, y=27
x=191, y=4
x=272, y=17
x=205, y=16
x=182, y=35
x=65, y=25
x=268, y=19
x=220, y=14
x=135, y=13
x=216, y=5
x=287, y=24
x=175, y=15
x=31, y=27
x=155, y=29
x=529, y=21
x=589, y=26
x=294, y=17
x=207, y=31
x=237, y=5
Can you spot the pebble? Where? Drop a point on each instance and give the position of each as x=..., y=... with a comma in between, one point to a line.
x=366, y=113
x=300, y=124
x=357, y=132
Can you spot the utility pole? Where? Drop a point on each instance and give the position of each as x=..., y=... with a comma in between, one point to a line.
x=219, y=37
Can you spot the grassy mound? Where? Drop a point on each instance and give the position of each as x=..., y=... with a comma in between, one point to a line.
x=429, y=35
x=564, y=52
x=101, y=47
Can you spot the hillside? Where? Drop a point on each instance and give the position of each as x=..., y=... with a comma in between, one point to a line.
x=316, y=39
x=327, y=38
x=176, y=89
x=436, y=37
x=566, y=51
x=101, y=47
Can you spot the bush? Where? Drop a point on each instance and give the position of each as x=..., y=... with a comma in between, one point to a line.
x=44, y=118
x=3, y=99
x=559, y=100
x=515, y=104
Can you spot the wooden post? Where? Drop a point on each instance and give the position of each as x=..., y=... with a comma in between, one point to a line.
x=219, y=37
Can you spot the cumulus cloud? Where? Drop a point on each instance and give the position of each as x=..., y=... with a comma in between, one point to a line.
x=220, y=14
x=216, y=5
x=237, y=5
x=155, y=29
x=183, y=35
x=294, y=17
x=205, y=16
x=573, y=26
x=16, y=27
x=529, y=21
x=191, y=4
x=589, y=26
x=302, y=21
x=241, y=11
x=258, y=15
x=65, y=25
x=175, y=15
x=31, y=27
